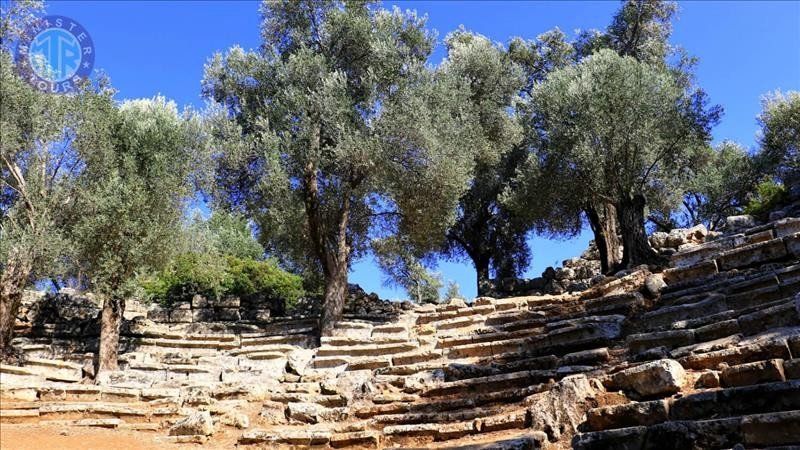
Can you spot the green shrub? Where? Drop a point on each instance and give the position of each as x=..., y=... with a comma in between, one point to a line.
x=214, y=276
x=249, y=277
x=769, y=197
x=186, y=275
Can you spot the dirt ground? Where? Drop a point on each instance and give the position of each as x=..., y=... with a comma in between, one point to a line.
x=49, y=437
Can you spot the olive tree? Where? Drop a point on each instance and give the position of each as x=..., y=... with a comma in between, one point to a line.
x=336, y=127
x=780, y=132
x=139, y=159
x=38, y=167
x=621, y=127
x=491, y=235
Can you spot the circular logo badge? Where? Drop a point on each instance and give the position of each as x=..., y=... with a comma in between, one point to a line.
x=55, y=54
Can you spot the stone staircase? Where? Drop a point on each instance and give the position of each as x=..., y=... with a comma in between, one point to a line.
x=708, y=359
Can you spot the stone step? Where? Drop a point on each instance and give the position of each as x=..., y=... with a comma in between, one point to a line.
x=488, y=384
x=754, y=431
x=436, y=417
x=286, y=436
x=529, y=441
x=441, y=405
x=257, y=349
x=299, y=340
x=460, y=429
x=185, y=343
x=742, y=352
x=49, y=369
x=330, y=401
x=367, y=350
x=344, y=341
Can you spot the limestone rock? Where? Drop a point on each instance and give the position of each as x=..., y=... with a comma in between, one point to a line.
x=656, y=378
x=235, y=419
x=273, y=413
x=735, y=224
x=197, y=423
x=298, y=360
x=314, y=413
x=559, y=411
x=654, y=284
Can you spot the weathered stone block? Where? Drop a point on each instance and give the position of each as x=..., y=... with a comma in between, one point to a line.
x=779, y=428
x=627, y=415
x=752, y=254
x=632, y=438
x=786, y=227
x=180, y=315
x=669, y=339
x=654, y=378
x=203, y=315
x=753, y=373
x=699, y=270
x=228, y=314
x=197, y=423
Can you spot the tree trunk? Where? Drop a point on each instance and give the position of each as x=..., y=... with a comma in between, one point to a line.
x=334, y=300
x=603, y=221
x=482, y=272
x=12, y=284
x=636, y=247
x=110, y=321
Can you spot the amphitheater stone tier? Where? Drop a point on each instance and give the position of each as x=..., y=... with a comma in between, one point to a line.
x=703, y=355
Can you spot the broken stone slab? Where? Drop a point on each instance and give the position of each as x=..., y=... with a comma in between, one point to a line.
x=637, y=343
x=656, y=378
x=772, y=429
x=355, y=438
x=749, y=255
x=702, y=434
x=632, y=438
x=289, y=436
x=197, y=423
x=315, y=413
x=559, y=411
x=739, y=354
x=703, y=269
x=628, y=415
x=753, y=373
x=592, y=356
x=100, y=423
x=729, y=402
x=628, y=283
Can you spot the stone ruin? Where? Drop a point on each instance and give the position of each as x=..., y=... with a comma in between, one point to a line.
x=702, y=355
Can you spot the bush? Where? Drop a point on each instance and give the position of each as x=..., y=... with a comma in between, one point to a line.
x=213, y=276
x=769, y=197
x=250, y=277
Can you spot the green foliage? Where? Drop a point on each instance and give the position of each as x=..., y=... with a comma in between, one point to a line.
x=186, y=275
x=141, y=157
x=337, y=128
x=250, y=277
x=224, y=233
x=769, y=195
x=780, y=131
x=718, y=184
x=453, y=291
x=190, y=274
x=405, y=269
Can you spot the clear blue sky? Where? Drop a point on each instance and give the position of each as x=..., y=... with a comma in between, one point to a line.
x=745, y=48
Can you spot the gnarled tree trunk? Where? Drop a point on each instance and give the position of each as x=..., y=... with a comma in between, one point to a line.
x=334, y=300
x=481, y=263
x=12, y=282
x=110, y=321
x=603, y=221
x=636, y=247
